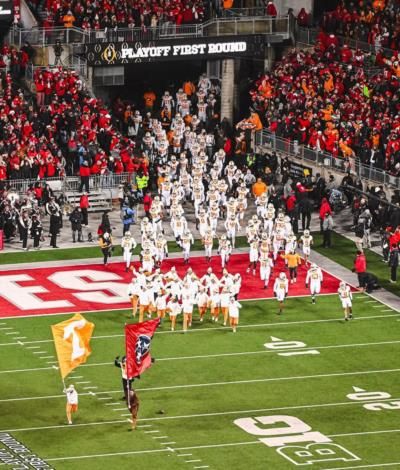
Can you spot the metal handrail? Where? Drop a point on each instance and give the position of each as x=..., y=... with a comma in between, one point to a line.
x=309, y=36
x=214, y=27
x=306, y=154
x=72, y=183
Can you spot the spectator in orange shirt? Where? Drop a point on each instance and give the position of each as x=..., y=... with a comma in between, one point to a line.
x=259, y=187
x=68, y=20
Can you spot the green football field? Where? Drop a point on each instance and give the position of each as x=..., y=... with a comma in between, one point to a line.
x=302, y=389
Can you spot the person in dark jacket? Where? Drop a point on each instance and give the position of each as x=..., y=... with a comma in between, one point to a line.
x=394, y=263
x=305, y=207
x=55, y=224
x=36, y=231
x=76, y=219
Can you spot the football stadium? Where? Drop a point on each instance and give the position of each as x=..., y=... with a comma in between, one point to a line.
x=199, y=234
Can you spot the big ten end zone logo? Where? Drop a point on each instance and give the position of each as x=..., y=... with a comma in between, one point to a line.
x=280, y=431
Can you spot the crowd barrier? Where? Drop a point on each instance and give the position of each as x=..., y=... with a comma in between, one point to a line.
x=306, y=154
x=232, y=25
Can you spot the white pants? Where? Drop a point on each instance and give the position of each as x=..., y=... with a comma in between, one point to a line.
x=306, y=250
x=208, y=250
x=147, y=266
x=127, y=256
x=265, y=274
x=280, y=295
x=253, y=255
x=268, y=226
x=186, y=251
x=276, y=247
x=232, y=235
x=203, y=229
x=315, y=287
x=160, y=255
x=166, y=199
x=346, y=303
x=224, y=257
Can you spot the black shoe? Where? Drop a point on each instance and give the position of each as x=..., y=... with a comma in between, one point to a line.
x=56, y=247
x=73, y=241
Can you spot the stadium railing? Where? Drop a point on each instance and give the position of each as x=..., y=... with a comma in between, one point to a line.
x=306, y=154
x=309, y=35
x=235, y=25
x=72, y=183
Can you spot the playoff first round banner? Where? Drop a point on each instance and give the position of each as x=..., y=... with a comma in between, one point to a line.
x=120, y=53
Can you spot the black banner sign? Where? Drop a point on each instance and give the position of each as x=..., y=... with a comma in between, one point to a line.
x=120, y=53
x=6, y=11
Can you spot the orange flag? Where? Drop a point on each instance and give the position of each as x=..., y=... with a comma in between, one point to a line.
x=71, y=339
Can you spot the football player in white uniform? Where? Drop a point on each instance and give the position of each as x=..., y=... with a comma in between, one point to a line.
x=313, y=280
x=346, y=298
x=306, y=241
x=128, y=244
x=281, y=287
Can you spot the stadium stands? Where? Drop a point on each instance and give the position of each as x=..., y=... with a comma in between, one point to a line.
x=325, y=98
x=107, y=14
x=376, y=22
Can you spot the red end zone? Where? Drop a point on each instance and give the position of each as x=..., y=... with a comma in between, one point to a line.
x=88, y=287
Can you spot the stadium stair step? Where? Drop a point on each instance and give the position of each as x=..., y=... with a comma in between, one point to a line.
x=99, y=201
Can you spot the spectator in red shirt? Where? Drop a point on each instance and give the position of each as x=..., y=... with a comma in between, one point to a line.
x=360, y=268
x=84, y=205
x=84, y=173
x=147, y=202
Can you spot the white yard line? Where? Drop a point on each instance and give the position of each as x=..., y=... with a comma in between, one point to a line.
x=379, y=465
x=207, y=356
x=364, y=433
x=134, y=452
x=255, y=325
x=200, y=415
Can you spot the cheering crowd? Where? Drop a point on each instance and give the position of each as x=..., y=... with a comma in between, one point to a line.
x=375, y=22
x=323, y=98
x=108, y=15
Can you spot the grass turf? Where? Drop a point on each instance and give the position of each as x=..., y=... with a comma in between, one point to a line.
x=205, y=380
x=343, y=251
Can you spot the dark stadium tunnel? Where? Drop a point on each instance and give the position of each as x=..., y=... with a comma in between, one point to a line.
x=159, y=76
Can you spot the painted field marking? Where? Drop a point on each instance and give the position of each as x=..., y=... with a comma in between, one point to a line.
x=6, y=327
x=207, y=356
x=13, y=333
x=109, y=404
x=255, y=325
x=46, y=357
x=32, y=347
x=194, y=460
x=39, y=352
x=86, y=382
x=89, y=388
x=76, y=376
x=167, y=443
x=203, y=466
x=391, y=464
x=21, y=337
x=370, y=301
x=183, y=455
x=51, y=362
x=200, y=415
x=151, y=432
x=105, y=398
x=160, y=437
x=116, y=409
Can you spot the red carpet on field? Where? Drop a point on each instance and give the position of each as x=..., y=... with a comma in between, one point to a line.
x=88, y=287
